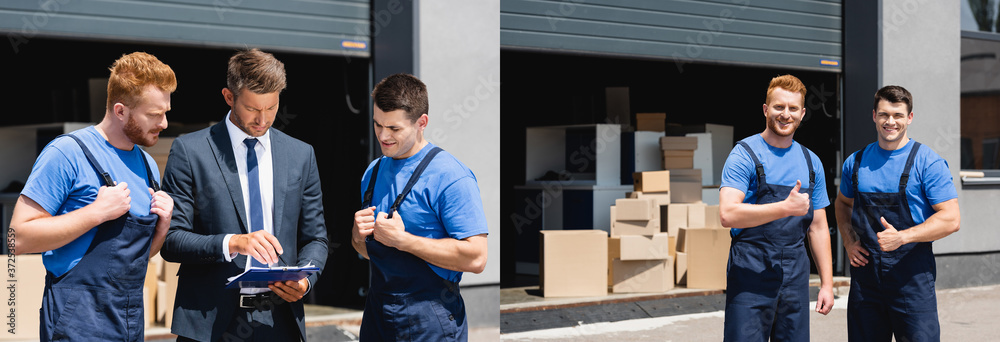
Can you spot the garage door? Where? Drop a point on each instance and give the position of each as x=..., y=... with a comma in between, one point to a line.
x=324, y=27
x=790, y=34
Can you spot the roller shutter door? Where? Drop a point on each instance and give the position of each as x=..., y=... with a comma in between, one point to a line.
x=795, y=34
x=324, y=27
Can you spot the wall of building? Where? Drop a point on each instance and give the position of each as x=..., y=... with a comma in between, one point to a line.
x=458, y=56
x=921, y=46
x=921, y=50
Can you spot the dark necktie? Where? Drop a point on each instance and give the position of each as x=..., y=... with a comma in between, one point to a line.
x=253, y=185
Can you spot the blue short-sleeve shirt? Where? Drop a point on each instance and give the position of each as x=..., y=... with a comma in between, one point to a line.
x=782, y=166
x=444, y=203
x=62, y=180
x=930, y=180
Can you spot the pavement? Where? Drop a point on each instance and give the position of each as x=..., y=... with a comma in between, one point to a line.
x=965, y=314
x=330, y=324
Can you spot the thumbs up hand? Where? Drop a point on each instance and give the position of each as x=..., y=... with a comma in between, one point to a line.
x=797, y=204
x=889, y=239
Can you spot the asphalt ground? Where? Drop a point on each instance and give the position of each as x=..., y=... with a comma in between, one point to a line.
x=965, y=314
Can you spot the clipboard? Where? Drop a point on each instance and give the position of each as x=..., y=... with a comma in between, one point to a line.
x=258, y=277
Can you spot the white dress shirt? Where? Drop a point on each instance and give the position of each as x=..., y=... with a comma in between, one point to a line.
x=265, y=171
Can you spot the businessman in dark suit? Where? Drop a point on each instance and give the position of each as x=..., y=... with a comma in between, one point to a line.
x=244, y=194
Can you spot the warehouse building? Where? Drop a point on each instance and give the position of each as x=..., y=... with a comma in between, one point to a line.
x=57, y=53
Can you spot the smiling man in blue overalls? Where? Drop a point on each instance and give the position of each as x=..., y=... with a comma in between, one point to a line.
x=93, y=208
x=896, y=197
x=774, y=193
x=421, y=224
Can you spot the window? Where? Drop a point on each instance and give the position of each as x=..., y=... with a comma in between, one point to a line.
x=980, y=85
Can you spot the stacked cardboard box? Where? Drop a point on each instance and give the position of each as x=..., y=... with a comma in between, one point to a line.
x=678, y=158
x=572, y=263
x=703, y=250
x=638, y=254
x=635, y=216
x=640, y=263
x=678, y=152
x=654, y=185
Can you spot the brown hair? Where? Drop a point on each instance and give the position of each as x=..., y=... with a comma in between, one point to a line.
x=256, y=71
x=786, y=82
x=131, y=73
x=894, y=94
x=402, y=91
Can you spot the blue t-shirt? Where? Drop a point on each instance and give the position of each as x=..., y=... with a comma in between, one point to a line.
x=929, y=184
x=445, y=201
x=63, y=180
x=782, y=166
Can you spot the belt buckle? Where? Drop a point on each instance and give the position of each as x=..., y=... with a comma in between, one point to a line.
x=247, y=301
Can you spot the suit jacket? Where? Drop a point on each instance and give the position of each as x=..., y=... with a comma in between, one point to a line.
x=201, y=178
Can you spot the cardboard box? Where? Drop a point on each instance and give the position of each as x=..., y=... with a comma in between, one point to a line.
x=708, y=254
x=681, y=268
x=685, y=185
x=24, y=297
x=634, y=209
x=672, y=246
x=678, y=143
x=169, y=289
x=150, y=287
x=651, y=181
x=673, y=216
x=161, y=302
x=650, y=121
x=659, y=198
x=678, y=160
x=149, y=307
x=696, y=215
x=646, y=228
x=642, y=275
x=714, y=140
x=573, y=263
x=639, y=247
x=713, y=218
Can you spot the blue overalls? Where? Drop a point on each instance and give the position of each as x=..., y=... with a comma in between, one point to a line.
x=894, y=292
x=100, y=299
x=767, y=285
x=407, y=301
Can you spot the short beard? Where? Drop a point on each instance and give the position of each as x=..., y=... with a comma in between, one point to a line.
x=773, y=126
x=136, y=135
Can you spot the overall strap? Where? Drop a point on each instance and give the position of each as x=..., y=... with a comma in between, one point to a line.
x=105, y=176
x=409, y=184
x=149, y=174
x=366, y=201
x=857, y=165
x=909, y=164
x=761, y=178
x=809, y=164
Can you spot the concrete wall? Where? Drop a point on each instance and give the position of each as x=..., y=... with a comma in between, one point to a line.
x=457, y=54
x=921, y=47
x=920, y=51
x=458, y=57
